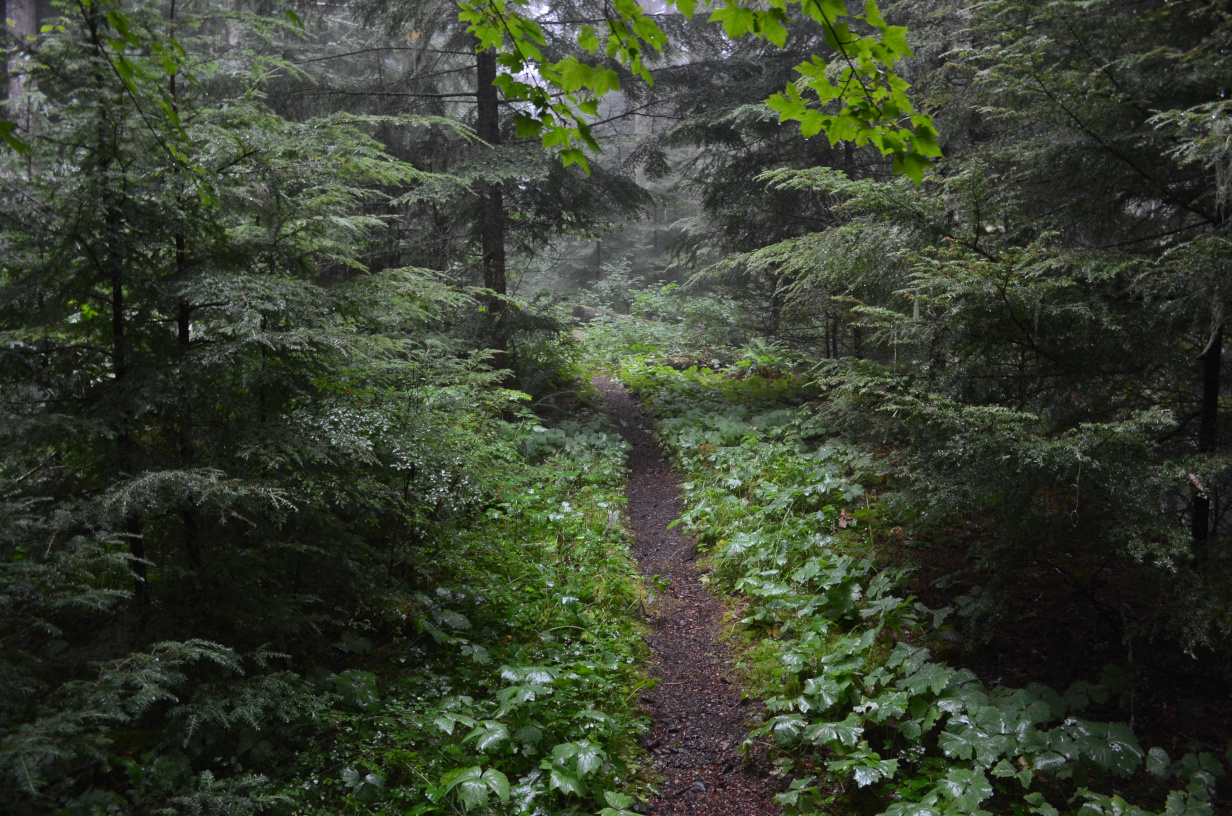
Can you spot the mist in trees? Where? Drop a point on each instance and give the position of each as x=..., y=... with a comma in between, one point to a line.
x=284, y=287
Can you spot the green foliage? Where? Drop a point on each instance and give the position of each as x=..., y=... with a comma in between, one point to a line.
x=666, y=321
x=1025, y=385
x=864, y=101
x=775, y=502
x=248, y=469
x=274, y=537
x=512, y=680
x=1021, y=329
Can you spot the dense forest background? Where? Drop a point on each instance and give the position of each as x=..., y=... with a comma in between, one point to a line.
x=293, y=395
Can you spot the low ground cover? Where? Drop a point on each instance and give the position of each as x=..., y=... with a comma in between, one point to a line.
x=511, y=685
x=865, y=716
x=488, y=659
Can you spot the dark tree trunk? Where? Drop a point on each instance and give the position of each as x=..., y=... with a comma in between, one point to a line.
x=125, y=453
x=188, y=517
x=119, y=348
x=776, y=313
x=1210, y=360
x=183, y=321
x=125, y=448
x=492, y=208
x=136, y=549
x=24, y=16
x=112, y=269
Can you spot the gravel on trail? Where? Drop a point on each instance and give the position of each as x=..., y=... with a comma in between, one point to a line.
x=699, y=717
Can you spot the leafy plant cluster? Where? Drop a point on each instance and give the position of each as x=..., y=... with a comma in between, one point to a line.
x=509, y=684
x=1024, y=388
x=856, y=690
x=247, y=447
x=851, y=89
x=668, y=320
x=1037, y=330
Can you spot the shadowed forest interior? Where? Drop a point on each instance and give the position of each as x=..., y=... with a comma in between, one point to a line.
x=319, y=325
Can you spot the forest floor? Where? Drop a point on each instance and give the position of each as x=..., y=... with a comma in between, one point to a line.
x=700, y=718
x=1059, y=629
x=1059, y=633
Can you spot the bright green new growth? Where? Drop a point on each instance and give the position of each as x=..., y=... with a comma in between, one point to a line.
x=853, y=96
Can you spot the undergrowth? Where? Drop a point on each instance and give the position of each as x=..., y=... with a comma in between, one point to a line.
x=865, y=718
x=508, y=687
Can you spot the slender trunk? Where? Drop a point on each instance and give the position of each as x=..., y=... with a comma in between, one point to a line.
x=776, y=313
x=1210, y=360
x=136, y=549
x=113, y=271
x=192, y=543
x=492, y=208
x=183, y=320
x=235, y=32
x=262, y=413
x=188, y=517
x=125, y=453
x=119, y=348
x=23, y=14
x=125, y=448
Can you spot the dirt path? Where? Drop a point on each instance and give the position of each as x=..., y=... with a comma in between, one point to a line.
x=699, y=719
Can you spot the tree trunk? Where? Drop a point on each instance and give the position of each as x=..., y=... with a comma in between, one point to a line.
x=192, y=545
x=125, y=447
x=1210, y=360
x=492, y=208
x=113, y=270
x=24, y=16
x=183, y=320
x=776, y=312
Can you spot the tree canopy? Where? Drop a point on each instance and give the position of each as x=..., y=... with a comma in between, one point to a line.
x=308, y=504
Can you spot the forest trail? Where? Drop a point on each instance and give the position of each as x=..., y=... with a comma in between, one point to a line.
x=699, y=718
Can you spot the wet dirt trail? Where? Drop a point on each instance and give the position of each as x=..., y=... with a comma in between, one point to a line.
x=699, y=718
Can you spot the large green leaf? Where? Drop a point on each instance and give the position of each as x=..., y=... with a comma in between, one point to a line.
x=470, y=786
x=846, y=732
x=487, y=735
x=497, y=783
x=589, y=758
x=563, y=781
